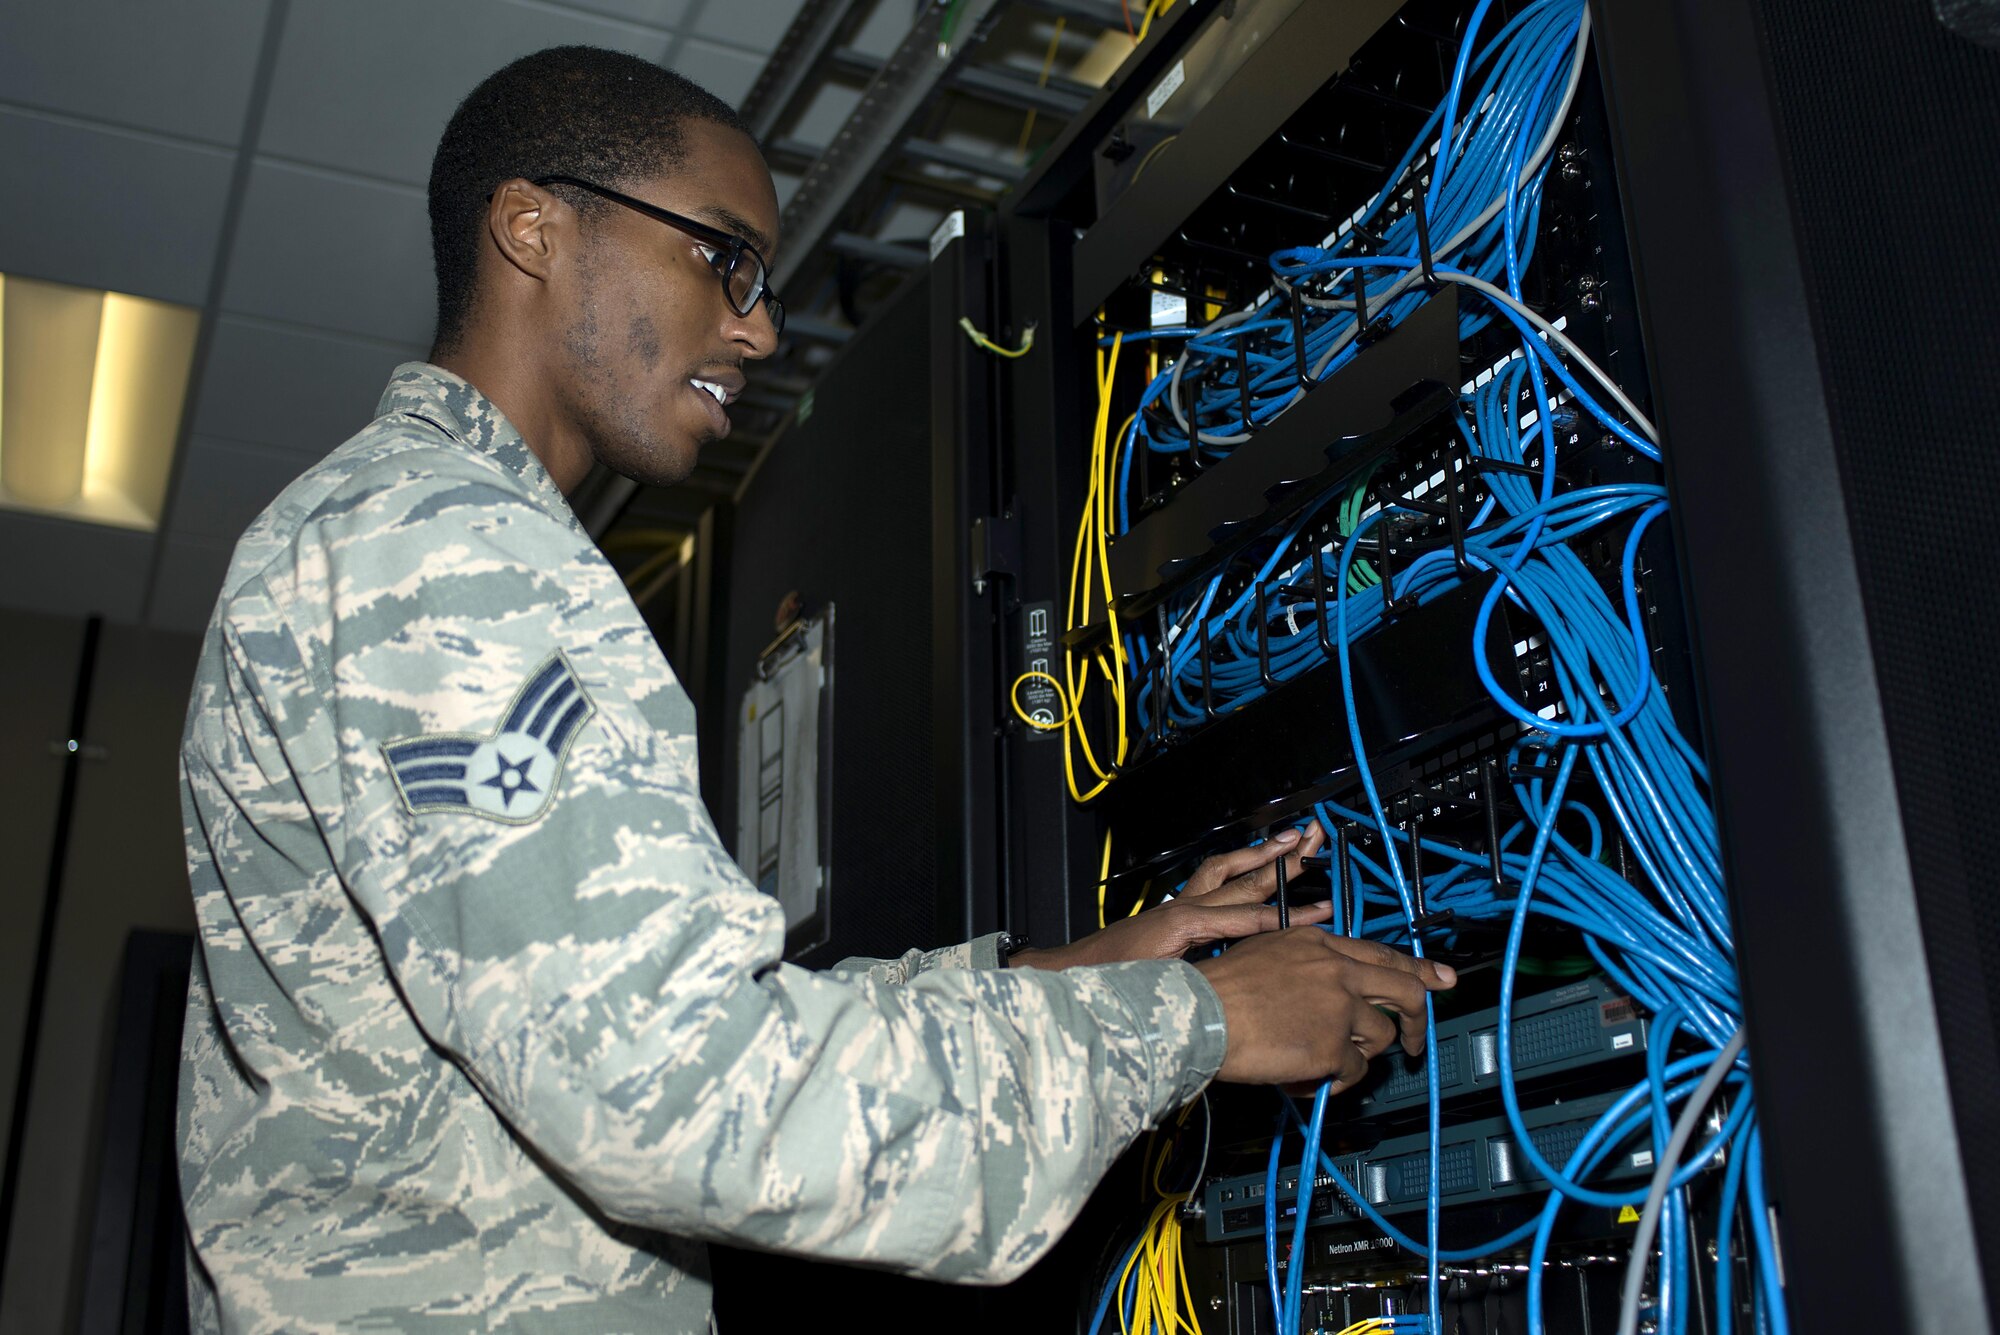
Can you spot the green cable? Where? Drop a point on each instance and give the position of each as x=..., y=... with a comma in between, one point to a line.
x=947, y=26
x=1360, y=575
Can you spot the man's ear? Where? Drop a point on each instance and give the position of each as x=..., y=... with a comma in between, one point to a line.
x=522, y=219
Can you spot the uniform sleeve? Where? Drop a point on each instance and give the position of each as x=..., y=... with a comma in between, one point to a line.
x=982, y=952
x=594, y=960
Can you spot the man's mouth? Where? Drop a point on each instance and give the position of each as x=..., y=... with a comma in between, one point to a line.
x=715, y=396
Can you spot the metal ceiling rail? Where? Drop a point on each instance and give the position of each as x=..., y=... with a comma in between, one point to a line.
x=794, y=62
x=883, y=119
x=877, y=141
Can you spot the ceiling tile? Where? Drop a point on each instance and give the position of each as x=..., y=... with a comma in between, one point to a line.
x=825, y=111
x=757, y=26
x=224, y=486
x=883, y=30
x=367, y=85
x=313, y=248
x=726, y=72
x=296, y=390
x=190, y=577
x=71, y=569
x=185, y=72
x=111, y=208
x=653, y=13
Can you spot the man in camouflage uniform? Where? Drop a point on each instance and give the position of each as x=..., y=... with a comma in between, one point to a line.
x=487, y=1031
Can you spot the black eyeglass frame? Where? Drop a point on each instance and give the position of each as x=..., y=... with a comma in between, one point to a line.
x=729, y=247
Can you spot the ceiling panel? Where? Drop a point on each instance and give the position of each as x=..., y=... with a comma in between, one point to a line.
x=191, y=574
x=188, y=73
x=825, y=110
x=110, y=208
x=316, y=248
x=652, y=13
x=722, y=70
x=757, y=25
x=302, y=391
x=367, y=85
x=224, y=486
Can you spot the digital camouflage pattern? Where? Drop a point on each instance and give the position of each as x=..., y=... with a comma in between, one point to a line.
x=446, y=1071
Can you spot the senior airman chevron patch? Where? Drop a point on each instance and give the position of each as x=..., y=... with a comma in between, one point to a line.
x=508, y=775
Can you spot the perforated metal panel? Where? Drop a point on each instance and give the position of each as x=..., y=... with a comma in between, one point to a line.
x=1890, y=122
x=1539, y=1039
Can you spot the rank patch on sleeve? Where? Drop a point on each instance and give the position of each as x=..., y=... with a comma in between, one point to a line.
x=508, y=775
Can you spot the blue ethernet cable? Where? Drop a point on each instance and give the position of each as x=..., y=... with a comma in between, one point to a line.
x=1293, y=1314
x=1271, y=1228
x=1770, y=1284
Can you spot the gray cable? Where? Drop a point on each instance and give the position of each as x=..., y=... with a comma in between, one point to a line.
x=1663, y=1174
x=1207, y=1132
x=1562, y=341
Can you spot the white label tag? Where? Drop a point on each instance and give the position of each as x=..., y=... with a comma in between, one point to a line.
x=947, y=231
x=1168, y=310
x=1166, y=88
x=1620, y=1042
x=1642, y=1159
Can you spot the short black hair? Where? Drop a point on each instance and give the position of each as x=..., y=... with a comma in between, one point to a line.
x=582, y=111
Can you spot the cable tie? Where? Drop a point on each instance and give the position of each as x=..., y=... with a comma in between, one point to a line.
x=1431, y=283
x=1306, y=379
x=1250, y=422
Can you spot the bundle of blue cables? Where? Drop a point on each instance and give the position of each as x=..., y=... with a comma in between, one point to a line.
x=1200, y=400
x=1665, y=937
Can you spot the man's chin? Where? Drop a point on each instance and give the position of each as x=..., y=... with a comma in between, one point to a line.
x=656, y=464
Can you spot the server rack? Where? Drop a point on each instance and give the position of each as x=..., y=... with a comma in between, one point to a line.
x=1685, y=128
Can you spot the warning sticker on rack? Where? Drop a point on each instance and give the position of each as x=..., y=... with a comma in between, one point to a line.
x=1166, y=88
x=1037, y=695
x=946, y=232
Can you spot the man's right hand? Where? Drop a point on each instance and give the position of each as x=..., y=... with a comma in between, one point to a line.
x=1305, y=1005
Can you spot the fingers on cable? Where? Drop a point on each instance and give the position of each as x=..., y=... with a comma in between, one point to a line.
x=1228, y=922
x=1352, y=1067
x=1429, y=973
x=1393, y=990
x=1230, y=873
x=1311, y=839
x=1306, y=915
x=1375, y=1032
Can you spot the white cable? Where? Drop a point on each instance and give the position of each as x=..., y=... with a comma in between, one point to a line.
x=1207, y=1131
x=1561, y=340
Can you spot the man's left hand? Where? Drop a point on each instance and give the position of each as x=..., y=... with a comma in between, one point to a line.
x=1222, y=901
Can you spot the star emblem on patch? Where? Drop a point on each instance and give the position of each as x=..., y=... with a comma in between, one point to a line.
x=509, y=774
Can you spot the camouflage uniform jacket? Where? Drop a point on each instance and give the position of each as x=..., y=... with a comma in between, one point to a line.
x=487, y=1032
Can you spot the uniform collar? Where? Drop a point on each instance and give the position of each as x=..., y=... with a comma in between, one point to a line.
x=451, y=404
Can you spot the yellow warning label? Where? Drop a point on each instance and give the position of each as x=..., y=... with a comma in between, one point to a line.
x=1628, y=1215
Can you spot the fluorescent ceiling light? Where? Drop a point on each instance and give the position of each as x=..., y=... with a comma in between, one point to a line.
x=91, y=390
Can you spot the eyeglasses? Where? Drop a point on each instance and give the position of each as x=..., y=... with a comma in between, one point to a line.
x=744, y=275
